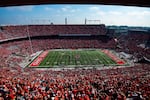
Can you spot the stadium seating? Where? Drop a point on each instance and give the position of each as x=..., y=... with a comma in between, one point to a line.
x=80, y=84
x=130, y=44
x=40, y=30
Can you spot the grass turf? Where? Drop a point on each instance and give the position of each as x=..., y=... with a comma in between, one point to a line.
x=76, y=57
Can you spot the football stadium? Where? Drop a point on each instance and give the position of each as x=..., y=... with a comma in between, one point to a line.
x=80, y=61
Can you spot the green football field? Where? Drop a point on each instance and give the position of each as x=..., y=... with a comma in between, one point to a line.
x=75, y=58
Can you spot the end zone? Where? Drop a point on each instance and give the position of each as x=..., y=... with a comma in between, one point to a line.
x=114, y=57
x=39, y=59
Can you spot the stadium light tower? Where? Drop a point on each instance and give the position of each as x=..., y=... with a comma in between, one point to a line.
x=65, y=21
x=85, y=21
x=28, y=32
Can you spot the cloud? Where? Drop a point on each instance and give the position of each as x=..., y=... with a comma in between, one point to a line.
x=136, y=17
x=48, y=8
x=64, y=9
x=115, y=13
x=69, y=9
x=96, y=11
x=21, y=8
x=94, y=8
x=139, y=13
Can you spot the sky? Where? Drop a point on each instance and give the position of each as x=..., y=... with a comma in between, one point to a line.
x=75, y=14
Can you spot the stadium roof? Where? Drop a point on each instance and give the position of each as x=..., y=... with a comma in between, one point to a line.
x=142, y=3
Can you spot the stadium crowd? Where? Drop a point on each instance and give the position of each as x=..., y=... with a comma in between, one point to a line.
x=40, y=30
x=135, y=43
x=78, y=84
